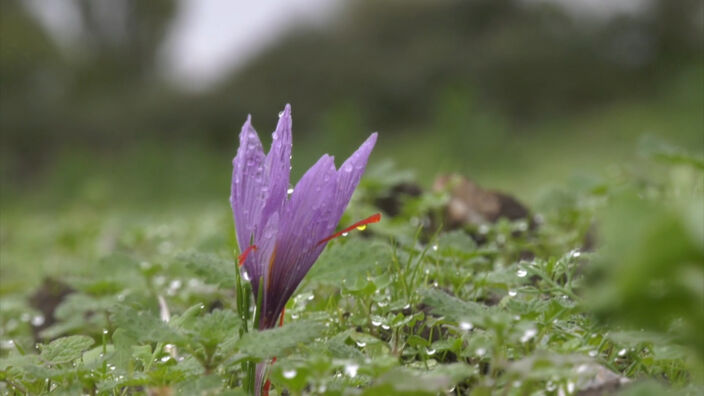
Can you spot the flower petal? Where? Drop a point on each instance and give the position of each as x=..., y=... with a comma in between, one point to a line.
x=348, y=178
x=304, y=218
x=248, y=184
x=278, y=164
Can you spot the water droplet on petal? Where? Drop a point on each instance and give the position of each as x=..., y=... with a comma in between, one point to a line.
x=362, y=227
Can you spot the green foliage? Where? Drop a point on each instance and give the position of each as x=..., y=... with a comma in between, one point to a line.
x=274, y=342
x=65, y=349
x=603, y=294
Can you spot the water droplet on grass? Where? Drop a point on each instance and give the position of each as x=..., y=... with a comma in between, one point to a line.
x=435, y=247
x=550, y=386
x=481, y=351
x=361, y=344
x=528, y=334
x=622, y=352
x=512, y=293
x=593, y=353
x=38, y=320
x=351, y=369
x=521, y=273
x=289, y=374
x=466, y=326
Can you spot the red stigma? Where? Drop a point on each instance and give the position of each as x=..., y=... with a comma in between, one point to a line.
x=375, y=218
x=244, y=254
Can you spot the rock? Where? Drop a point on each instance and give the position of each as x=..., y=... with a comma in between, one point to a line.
x=469, y=204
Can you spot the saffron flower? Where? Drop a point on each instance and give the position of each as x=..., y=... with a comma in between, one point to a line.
x=281, y=236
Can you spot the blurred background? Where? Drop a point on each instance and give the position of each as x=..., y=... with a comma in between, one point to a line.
x=119, y=118
x=125, y=102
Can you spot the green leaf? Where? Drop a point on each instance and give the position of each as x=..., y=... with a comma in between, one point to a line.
x=214, y=327
x=65, y=349
x=452, y=307
x=403, y=380
x=352, y=260
x=275, y=342
x=143, y=326
x=212, y=268
x=123, y=348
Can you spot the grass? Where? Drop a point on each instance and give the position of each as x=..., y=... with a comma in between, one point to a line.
x=145, y=304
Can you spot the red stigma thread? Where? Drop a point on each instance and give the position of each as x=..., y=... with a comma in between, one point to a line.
x=375, y=218
x=246, y=253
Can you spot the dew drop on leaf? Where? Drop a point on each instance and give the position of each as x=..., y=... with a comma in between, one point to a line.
x=351, y=369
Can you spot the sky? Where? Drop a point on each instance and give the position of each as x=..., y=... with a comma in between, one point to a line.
x=211, y=38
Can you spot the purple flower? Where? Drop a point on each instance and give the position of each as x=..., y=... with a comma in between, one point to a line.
x=281, y=235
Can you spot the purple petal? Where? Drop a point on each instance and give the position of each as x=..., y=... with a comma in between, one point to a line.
x=304, y=220
x=348, y=178
x=258, y=260
x=247, y=184
x=278, y=164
